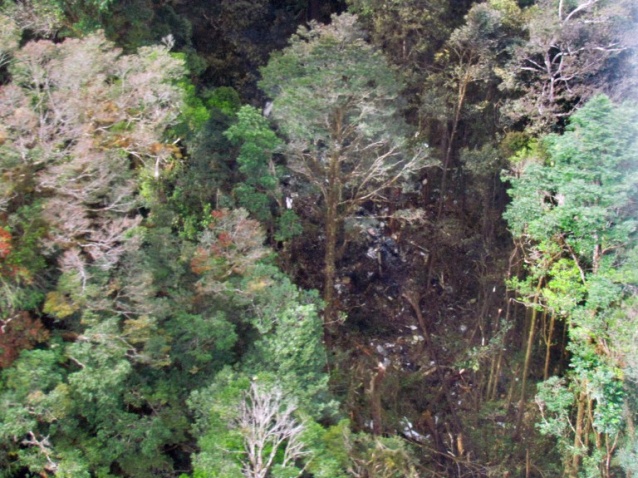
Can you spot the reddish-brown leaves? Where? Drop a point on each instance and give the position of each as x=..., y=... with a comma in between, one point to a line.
x=5, y=243
x=218, y=214
x=19, y=333
x=232, y=245
x=224, y=239
x=199, y=261
x=7, y=267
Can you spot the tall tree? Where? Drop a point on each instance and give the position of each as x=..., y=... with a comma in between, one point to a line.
x=410, y=32
x=464, y=75
x=573, y=210
x=335, y=99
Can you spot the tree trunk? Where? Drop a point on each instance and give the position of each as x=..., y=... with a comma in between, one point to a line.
x=491, y=378
x=330, y=258
x=528, y=357
x=450, y=143
x=574, y=464
x=548, y=345
x=375, y=400
x=494, y=379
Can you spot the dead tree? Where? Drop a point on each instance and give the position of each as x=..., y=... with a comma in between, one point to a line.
x=266, y=421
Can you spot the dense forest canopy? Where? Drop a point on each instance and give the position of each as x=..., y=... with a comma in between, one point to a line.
x=277, y=238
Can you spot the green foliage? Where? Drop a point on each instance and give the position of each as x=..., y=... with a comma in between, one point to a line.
x=573, y=212
x=25, y=404
x=389, y=457
x=225, y=99
x=93, y=127
x=35, y=370
x=555, y=401
x=465, y=71
x=512, y=143
x=194, y=113
x=288, y=226
x=155, y=303
x=285, y=350
x=83, y=406
x=258, y=143
x=409, y=31
x=254, y=201
x=196, y=188
x=289, y=345
x=259, y=190
x=215, y=408
x=325, y=69
x=564, y=290
x=329, y=455
x=201, y=342
x=335, y=98
x=22, y=262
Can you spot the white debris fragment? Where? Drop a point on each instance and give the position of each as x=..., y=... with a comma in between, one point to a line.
x=410, y=432
x=267, y=109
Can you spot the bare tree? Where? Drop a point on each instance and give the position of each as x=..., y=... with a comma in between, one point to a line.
x=9, y=38
x=45, y=448
x=44, y=19
x=266, y=421
x=566, y=59
x=83, y=124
